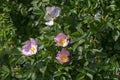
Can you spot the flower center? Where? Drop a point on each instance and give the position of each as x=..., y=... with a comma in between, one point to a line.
x=32, y=50
x=52, y=17
x=62, y=41
x=63, y=58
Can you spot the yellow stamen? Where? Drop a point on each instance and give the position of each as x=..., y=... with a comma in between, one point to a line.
x=62, y=41
x=32, y=50
x=63, y=58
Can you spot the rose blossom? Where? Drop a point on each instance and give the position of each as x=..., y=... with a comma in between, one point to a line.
x=62, y=56
x=29, y=48
x=61, y=40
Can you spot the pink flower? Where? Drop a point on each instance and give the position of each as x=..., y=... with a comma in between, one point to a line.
x=29, y=48
x=62, y=56
x=61, y=40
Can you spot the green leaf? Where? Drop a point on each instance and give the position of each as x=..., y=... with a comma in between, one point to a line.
x=5, y=72
x=80, y=76
x=116, y=35
x=90, y=76
x=57, y=73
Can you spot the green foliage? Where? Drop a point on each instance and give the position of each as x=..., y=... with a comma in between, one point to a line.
x=94, y=42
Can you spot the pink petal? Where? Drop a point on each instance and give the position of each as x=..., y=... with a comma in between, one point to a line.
x=65, y=52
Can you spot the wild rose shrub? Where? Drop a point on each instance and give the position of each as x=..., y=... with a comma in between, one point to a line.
x=90, y=49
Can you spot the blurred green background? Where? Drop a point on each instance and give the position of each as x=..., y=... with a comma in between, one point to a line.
x=94, y=42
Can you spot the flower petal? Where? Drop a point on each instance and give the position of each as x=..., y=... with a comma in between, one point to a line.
x=49, y=23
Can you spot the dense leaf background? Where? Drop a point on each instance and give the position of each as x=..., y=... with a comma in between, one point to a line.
x=94, y=43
